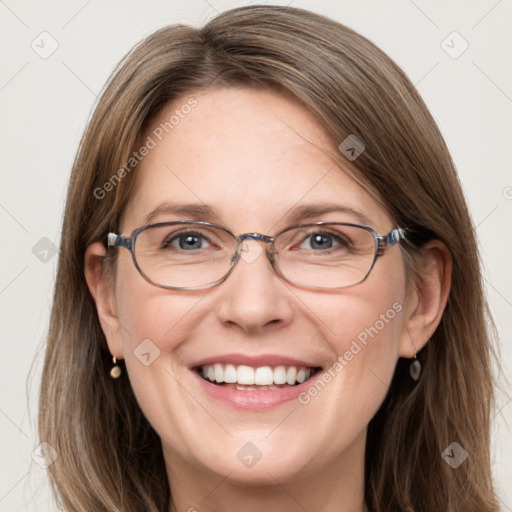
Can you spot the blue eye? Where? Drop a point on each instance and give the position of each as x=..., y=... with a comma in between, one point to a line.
x=322, y=241
x=186, y=241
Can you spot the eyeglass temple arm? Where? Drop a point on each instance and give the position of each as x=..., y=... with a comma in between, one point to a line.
x=392, y=238
x=114, y=240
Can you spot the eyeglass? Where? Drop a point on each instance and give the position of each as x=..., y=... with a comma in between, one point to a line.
x=185, y=255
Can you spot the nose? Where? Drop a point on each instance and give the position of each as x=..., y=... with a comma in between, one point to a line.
x=253, y=298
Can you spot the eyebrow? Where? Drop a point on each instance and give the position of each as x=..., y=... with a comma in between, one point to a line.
x=201, y=211
x=301, y=212
x=193, y=211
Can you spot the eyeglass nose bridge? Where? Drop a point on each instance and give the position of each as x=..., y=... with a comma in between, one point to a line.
x=253, y=236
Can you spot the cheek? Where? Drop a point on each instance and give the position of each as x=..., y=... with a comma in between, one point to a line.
x=364, y=338
x=362, y=326
x=154, y=323
x=146, y=311
x=368, y=315
x=158, y=324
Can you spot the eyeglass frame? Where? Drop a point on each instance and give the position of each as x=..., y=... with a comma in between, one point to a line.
x=382, y=242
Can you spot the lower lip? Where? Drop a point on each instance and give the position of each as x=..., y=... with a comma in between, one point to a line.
x=254, y=400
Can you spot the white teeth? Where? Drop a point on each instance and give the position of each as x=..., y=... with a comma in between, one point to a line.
x=263, y=376
x=248, y=378
x=219, y=374
x=230, y=374
x=279, y=375
x=245, y=375
x=291, y=373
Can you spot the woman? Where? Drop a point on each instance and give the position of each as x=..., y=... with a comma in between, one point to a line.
x=268, y=293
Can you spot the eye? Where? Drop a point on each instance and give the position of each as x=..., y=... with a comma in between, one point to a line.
x=322, y=241
x=186, y=241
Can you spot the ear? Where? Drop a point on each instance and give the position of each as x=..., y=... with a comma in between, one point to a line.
x=102, y=290
x=427, y=297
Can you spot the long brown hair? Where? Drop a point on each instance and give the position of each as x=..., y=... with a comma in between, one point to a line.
x=110, y=459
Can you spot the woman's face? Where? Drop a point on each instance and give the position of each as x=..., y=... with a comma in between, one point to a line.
x=250, y=160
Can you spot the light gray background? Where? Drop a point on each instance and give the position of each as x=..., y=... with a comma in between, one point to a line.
x=45, y=104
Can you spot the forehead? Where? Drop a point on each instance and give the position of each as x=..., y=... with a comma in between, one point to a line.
x=250, y=155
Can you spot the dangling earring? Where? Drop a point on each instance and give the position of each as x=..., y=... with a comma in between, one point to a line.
x=415, y=366
x=115, y=372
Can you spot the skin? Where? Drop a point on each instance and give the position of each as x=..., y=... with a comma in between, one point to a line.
x=253, y=156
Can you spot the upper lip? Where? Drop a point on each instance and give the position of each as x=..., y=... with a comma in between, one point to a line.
x=255, y=360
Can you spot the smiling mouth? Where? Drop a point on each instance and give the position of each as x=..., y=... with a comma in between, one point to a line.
x=261, y=378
